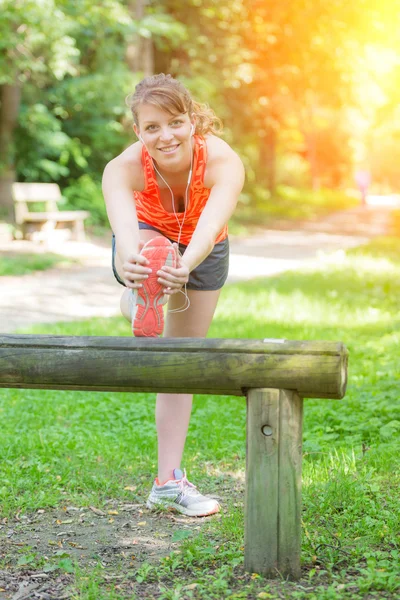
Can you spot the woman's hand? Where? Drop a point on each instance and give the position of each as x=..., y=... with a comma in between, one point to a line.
x=174, y=278
x=135, y=269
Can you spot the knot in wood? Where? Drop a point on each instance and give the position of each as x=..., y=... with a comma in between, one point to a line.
x=266, y=429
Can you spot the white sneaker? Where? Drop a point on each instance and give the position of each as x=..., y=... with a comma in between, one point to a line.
x=181, y=495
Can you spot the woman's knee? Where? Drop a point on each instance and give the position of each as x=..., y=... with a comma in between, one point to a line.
x=195, y=321
x=126, y=304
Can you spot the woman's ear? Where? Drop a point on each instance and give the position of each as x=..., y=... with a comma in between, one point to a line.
x=137, y=131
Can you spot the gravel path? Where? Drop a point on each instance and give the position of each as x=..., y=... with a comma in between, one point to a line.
x=90, y=290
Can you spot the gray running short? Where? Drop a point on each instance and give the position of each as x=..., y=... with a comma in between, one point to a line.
x=211, y=274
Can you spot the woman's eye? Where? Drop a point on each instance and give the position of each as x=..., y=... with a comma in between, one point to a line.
x=151, y=128
x=177, y=122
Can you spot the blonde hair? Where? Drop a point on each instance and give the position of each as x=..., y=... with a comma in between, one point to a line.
x=170, y=95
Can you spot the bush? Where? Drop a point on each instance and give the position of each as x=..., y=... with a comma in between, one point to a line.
x=258, y=206
x=86, y=194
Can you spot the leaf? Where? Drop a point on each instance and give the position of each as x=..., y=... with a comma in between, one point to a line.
x=25, y=559
x=49, y=568
x=390, y=429
x=97, y=511
x=180, y=535
x=61, y=554
x=66, y=565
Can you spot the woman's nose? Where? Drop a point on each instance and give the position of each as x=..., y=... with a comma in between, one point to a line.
x=166, y=134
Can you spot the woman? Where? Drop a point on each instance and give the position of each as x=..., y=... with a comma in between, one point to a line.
x=169, y=198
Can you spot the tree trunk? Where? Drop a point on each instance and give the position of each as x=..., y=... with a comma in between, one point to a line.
x=140, y=51
x=10, y=99
x=311, y=141
x=267, y=158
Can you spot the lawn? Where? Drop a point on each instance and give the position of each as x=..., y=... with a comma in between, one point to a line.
x=20, y=263
x=76, y=468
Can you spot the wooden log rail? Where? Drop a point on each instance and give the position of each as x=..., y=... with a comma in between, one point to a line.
x=274, y=375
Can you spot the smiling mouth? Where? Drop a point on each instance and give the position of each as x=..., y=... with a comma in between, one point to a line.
x=168, y=149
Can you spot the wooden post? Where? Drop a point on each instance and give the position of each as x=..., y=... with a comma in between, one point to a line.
x=273, y=483
x=78, y=230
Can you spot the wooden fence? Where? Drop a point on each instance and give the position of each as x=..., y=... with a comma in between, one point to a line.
x=274, y=375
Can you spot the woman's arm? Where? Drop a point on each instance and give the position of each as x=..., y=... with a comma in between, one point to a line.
x=227, y=175
x=225, y=178
x=118, y=186
x=121, y=177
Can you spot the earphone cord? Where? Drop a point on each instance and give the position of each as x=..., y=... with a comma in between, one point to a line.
x=180, y=225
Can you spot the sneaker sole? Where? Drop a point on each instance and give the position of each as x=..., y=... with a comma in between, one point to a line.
x=181, y=509
x=149, y=316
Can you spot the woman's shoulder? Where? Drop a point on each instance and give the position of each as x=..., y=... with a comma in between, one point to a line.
x=219, y=154
x=218, y=149
x=129, y=166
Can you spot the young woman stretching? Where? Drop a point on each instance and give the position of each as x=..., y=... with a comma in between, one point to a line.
x=169, y=198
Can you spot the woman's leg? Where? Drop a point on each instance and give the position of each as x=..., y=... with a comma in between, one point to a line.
x=173, y=410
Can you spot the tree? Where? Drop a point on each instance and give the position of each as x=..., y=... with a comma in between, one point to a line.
x=36, y=46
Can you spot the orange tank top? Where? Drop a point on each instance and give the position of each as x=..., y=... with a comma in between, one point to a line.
x=148, y=202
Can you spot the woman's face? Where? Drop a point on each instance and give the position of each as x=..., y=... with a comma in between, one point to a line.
x=166, y=136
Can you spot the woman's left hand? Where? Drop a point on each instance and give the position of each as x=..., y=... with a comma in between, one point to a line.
x=174, y=278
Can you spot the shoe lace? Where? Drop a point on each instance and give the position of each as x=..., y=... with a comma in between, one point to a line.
x=186, y=304
x=187, y=488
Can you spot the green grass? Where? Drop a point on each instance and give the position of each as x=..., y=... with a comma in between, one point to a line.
x=258, y=208
x=83, y=449
x=22, y=264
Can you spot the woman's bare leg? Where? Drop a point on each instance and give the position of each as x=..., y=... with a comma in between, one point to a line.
x=173, y=410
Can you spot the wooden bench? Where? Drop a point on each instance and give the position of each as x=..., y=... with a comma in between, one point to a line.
x=274, y=375
x=47, y=221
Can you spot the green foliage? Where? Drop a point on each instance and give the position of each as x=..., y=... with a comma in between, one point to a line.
x=86, y=194
x=294, y=106
x=35, y=42
x=21, y=264
x=40, y=142
x=258, y=206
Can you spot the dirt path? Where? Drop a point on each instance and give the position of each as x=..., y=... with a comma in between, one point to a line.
x=90, y=290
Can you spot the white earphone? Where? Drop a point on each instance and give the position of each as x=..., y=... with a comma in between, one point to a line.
x=180, y=224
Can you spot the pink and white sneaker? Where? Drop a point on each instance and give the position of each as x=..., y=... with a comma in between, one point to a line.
x=147, y=311
x=180, y=495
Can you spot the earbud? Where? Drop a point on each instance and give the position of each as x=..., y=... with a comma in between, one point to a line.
x=192, y=129
x=142, y=140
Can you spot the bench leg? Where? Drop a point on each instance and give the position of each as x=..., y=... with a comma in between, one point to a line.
x=273, y=483
x=78, y=231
